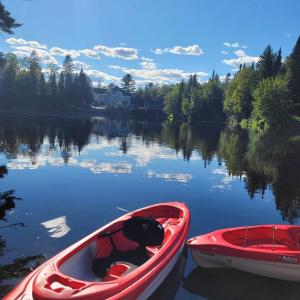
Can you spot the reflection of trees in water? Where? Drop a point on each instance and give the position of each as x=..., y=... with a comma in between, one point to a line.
x=20, y=267
x=25, y=135
x=229, y=284
x=186, y=139
x=17, y=270
x=262, y=160
x=269, y=159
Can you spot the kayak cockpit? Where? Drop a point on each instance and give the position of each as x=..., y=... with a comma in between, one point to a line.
x=122, y=247
x=264, y=237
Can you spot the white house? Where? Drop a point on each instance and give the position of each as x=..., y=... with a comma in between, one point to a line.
x=112, y=97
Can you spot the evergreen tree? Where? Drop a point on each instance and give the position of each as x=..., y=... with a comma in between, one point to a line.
x=61, y=83
x=128, y=84
x=68, y=71
x=277, y=67
x=293, y=75
x=52, y=84
x=43, y=86
x=84, y=93
x=11, y=71
x=34, y=72
x=7, y=22
x=265, y=63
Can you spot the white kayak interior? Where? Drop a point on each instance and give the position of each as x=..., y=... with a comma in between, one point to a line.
x=80, y=265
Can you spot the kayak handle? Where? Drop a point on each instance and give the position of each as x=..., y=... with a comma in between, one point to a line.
x=61, y=284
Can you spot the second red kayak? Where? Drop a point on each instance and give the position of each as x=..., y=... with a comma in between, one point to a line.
x=268, y=250
x=126, y=259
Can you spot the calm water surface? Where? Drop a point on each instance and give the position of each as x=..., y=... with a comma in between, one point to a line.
x=75, y=175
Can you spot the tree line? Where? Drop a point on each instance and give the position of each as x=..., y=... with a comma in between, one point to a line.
x=265, y=94
x=23, y=84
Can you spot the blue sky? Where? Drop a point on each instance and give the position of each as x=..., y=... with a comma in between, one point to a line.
x=162, y=41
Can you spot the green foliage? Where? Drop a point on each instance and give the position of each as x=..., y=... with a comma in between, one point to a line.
x=293, y=76
x=238, y=96
x=173, y=101
x=23, y=84
x=270, y=63
x=271, y=102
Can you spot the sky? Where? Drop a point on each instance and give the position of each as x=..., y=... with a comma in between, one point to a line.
x=160, y=41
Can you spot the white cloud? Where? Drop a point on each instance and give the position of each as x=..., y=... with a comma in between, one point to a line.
x=224, y=52
x=90, y=53
x=180, y=50
x=240, y=53
x=63, y=52
x=22, y=42
x=147, y=59
x=159, y=51
x=242, y=58
x=234, y=45
x=79, y=64
x=119, y=52
x=44, y=56
x=159, y=76
x=148, y=65
x=101, y=75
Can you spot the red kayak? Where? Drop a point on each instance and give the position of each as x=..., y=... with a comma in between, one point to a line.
x=268, y=250
x=126, y=259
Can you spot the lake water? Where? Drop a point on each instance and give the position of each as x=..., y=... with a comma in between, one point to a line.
x=75, y=175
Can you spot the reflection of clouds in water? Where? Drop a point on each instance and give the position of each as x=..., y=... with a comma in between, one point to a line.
x=57, y=227
x=23, y=162
x=225, y=182
x=40, y=160
x=145, y=153
x=142, y=153
x=179, y=177
x=113, y=168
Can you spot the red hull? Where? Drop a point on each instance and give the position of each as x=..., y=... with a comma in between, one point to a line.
x=269, y=243
x=49, y=282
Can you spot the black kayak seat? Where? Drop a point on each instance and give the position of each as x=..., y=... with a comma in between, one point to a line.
x=143, y=230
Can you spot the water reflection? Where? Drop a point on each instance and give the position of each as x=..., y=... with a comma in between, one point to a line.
x=82, y=158
x=57, y=227
x=262, y=161
x=170, y=286
x=22, y=266
x=229, y=284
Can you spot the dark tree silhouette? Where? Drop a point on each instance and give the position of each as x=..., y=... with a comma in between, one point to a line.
x=7, y=22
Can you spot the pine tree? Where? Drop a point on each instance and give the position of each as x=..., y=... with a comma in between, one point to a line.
x=42, y=85
x=84, y=93
x=128, y=84
x=52, y=84
x=34, y=72
x=266, y=63
x=61, y=83
x=277, y=67
x=293, y=75
x=68, y=70
x=7, y=22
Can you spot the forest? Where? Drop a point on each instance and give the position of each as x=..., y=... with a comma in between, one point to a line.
x=266, y=94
